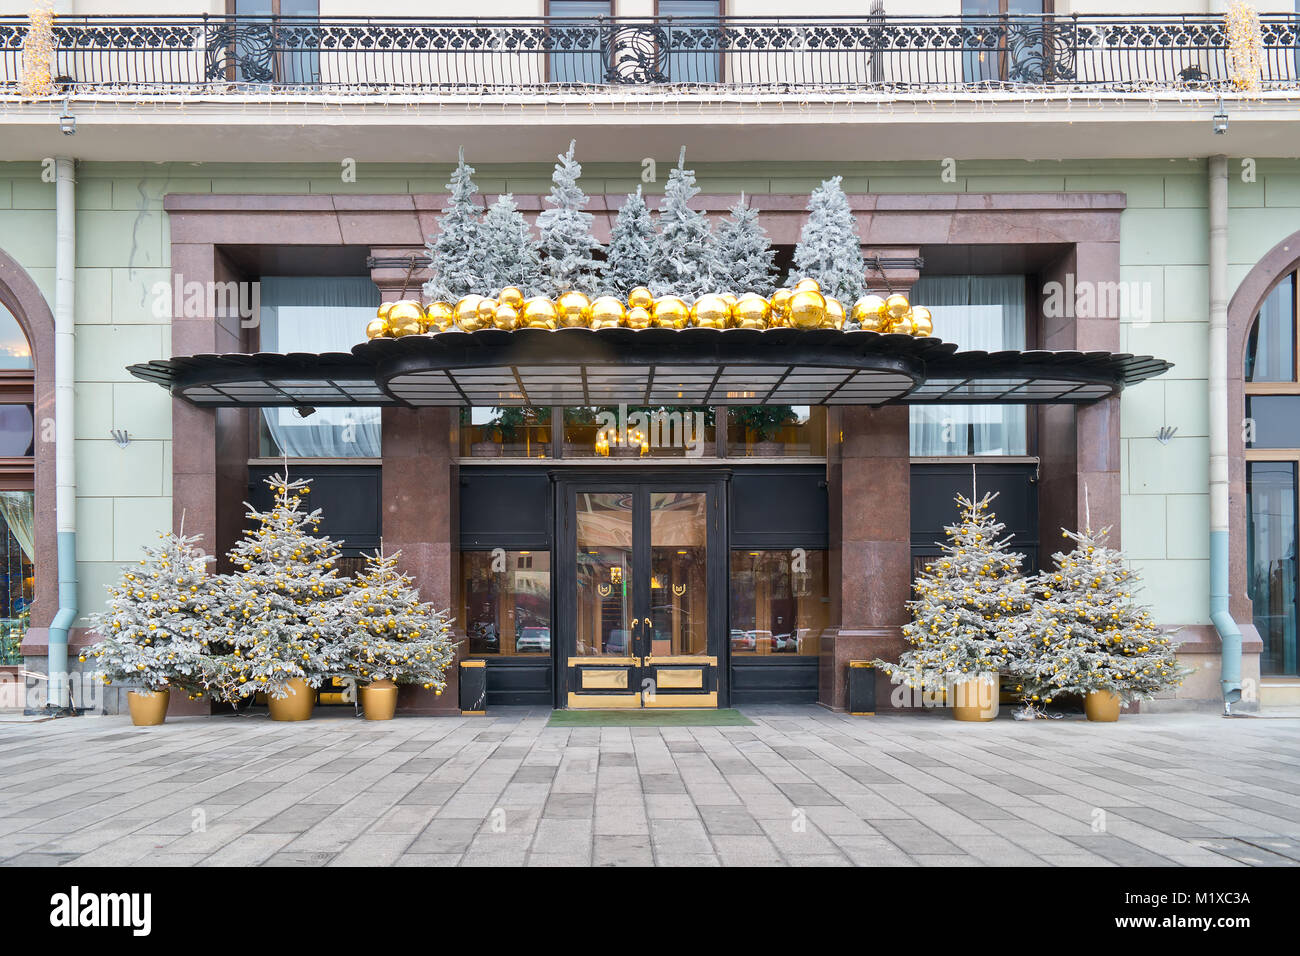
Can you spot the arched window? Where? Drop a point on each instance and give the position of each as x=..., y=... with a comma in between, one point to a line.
x=17, y=483
x=1272, y=436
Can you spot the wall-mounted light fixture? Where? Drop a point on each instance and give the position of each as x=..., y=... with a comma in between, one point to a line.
x=1221, y=120
x=67, y=122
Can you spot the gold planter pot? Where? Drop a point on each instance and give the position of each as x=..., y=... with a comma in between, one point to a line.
x=379, y=700
x=976, y=698
x=148, y=708
x=297, y=706
x=1101, y=705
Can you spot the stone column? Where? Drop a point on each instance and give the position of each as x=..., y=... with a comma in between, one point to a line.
x=420, y=518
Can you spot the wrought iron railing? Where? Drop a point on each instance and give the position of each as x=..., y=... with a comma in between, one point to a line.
x=358, y=56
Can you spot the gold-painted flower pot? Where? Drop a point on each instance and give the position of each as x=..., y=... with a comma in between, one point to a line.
x=379, y=700
x=148, y=708
x=975, y=699
x=1101, y=705
x=296, y=706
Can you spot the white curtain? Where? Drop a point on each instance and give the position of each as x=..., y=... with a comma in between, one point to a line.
x=319, y=314
x=18, y=512
x=976, y=312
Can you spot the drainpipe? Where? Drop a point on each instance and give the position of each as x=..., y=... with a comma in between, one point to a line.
x=65, y=496
x=1229, y=633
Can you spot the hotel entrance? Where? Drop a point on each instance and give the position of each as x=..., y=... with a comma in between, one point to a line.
x=640, y=590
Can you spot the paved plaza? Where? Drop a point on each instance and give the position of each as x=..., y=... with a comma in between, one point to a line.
x=801, y=787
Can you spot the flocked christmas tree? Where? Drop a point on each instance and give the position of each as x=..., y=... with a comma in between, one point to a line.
x=829, y=249
x=564, y=234
x=456, y=254
x=630, y=254
x=509, y=253
x=279, y=614
x=967, y=614
x=685, y=260
x=1087, y=634
x=391, y=635
x=153, y=626
x=745, y=257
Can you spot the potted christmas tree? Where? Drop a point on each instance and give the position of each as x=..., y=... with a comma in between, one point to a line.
x=279, y=614
x=392, y=637
x=1086, y=635
x=153, y=628
x=966, y=624
x=762, y=423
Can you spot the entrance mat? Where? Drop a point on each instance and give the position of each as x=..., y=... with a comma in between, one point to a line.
x=649, y=718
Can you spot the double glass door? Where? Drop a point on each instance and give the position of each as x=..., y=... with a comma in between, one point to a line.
x=640, y=610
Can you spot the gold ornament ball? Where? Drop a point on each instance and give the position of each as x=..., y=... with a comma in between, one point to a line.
x=869, y=313
x=834, y=314
x=751, y=311
x=487, y=310
x=807, y=309
x=638, y=317
x=903, y=325
x=711, y=312
x=897, y=306
x=807, y=285
x=377, y=329
x=730, y=298
x=506, y=317
x=922, y=321
x=438, y=317
x=405, y=318
x=466, y=314
x=607, y=312
x=539, y=313
x=574, y=310
x=671, y=312
x=383, y=310
x=512, y=297
x=640, y=298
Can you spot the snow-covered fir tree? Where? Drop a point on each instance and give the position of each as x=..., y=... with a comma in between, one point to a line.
x=153, y=627
x=564, y=240
x=829, y=249
x=630, y=254
x=1086, y=633
x=456, y=253
x=280, y=614
x=745, y=257
x=391, y=634
x=685, y=258
x=967, y=613
x=509, y=253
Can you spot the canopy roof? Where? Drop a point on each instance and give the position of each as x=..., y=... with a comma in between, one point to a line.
x=694, y=366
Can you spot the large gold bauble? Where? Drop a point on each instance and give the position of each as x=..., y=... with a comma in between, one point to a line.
x=640, y=298
x=574, y=310
x=539, y=313
x=922, y=321
x=711, y=312
x=377, y=329
x=897, y=306
x=466, y=314
x=807, y=285
x=638, y=317
x=438, y=317
x=781, y=304
x=487, y=311
x=903, y=325
x=834, y=314
x=383, y=309
x=405, y=318
x=730, y=298
x=671, y=312
x=512, y=297
x=607, y=312
x=807, y=309
x=506, y=317
x=869, y=313
x=751, y=312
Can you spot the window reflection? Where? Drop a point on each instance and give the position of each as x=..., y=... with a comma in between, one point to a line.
x=506, y=602
x=639, y=431
x=15, y=352
x=508, y=432
x=1271, y=561
x=1270, y=350
x=776, y=431
x=779, y=601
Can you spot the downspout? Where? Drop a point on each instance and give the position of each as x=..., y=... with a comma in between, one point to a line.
x=1229, y=633
x=65, y=481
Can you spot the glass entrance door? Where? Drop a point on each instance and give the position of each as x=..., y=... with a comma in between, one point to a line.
x=641, y=616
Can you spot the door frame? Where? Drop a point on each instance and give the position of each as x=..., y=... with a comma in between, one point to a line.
x=564, y=568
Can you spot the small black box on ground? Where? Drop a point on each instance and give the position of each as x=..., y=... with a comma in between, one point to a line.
x=473, y=687
x=862, y=688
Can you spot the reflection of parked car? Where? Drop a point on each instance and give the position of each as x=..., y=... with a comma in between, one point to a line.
x=785, y=642
x=742, y=640
x=534, y=640
x=483, y=638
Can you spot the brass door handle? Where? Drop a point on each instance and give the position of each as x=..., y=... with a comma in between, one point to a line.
x=649, y=626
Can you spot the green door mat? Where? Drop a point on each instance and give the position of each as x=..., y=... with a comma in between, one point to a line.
x=649, y=718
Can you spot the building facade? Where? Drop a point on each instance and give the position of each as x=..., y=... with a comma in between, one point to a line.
x=260, y=179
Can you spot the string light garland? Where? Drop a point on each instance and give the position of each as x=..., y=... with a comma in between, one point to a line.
x=38, y=51
x=1245, y=46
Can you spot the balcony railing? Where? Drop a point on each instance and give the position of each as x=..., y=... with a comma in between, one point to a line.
x=341, y=57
